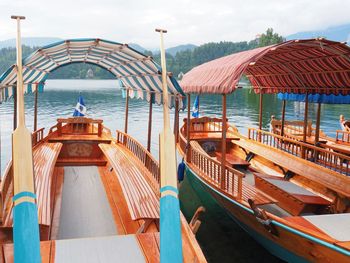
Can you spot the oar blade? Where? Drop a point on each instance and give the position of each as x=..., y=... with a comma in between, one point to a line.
x=25, y=214
x=170, y=226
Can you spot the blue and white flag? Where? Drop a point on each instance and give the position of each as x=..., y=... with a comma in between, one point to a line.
x=195, y=109
x=80, y=109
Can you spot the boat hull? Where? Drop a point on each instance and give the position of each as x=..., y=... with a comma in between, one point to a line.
x=288, y=245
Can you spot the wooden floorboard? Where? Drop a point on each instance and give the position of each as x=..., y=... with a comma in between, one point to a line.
x=150, y=247
x=57, y=201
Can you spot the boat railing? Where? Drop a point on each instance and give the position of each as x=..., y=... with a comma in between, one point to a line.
x=326, y=157
x=292, y=127
x=78, y=125
x=37, y=136
x=211, y=170
x=6, y=190
x=204, y=124
x=140, y=153
x=342, y=136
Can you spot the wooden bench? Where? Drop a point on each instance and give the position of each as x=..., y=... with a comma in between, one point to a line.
x=142, y=201
x=291, y=197
x=44, y=158
x=232, y=160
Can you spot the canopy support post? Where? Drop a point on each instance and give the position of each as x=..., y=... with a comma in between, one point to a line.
x=317, y=132
x=260, y=113
x=305, y=122
x=283, y=116
x=14, y=109
x=188, y=150
x=36, y=110
x=223, y=143
x=318, y=122
x=126, y=111
x=150, y=124
x=176, y=119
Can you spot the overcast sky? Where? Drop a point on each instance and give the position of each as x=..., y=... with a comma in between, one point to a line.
x=187, y=21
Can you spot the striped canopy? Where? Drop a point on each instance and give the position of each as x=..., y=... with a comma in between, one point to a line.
x=297, y=66
x=137, y=72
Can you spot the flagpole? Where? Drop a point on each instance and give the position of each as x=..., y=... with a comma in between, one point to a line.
x=25, y=215
x=170, y=227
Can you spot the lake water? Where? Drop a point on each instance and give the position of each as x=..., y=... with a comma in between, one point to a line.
x=221, y=242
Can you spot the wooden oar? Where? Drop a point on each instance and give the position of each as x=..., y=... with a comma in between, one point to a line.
x=170, y=227
x=25, y=216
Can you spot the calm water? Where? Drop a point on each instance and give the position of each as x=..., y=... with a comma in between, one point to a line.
x=220, y=241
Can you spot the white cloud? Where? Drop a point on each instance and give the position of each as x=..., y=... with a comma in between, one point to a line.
x=196, y=21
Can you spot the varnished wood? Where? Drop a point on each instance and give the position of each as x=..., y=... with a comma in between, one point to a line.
x=336, y=182
x=291, y=202
x=141, y=200
x=233, y=160
x=223, y=143
x=56, y=193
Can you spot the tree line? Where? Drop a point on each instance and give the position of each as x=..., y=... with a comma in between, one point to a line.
x=183, y=61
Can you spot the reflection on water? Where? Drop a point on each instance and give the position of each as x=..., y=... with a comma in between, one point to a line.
x=103, y=100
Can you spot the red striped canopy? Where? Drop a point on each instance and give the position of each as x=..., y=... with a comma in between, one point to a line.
x=296, y=66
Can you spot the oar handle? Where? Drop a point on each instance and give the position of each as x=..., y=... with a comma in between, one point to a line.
x=18, y=17
x=161, y=30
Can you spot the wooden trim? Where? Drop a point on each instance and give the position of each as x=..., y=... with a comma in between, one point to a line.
x=223, y=143
x=149, y=135
x=126, y=111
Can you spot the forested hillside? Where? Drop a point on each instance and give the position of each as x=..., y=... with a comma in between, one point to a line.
x=182, y=61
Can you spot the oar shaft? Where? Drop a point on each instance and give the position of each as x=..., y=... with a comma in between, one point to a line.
x=25, y=215
x=19, y=93
x=164, y=80
x=170, y=227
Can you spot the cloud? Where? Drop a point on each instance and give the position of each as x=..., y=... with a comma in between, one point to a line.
x=187, y=21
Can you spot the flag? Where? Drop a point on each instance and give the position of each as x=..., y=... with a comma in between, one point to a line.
x=195, y=109
x=80, y=109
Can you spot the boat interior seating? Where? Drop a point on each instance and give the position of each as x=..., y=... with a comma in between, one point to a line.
x=142, y=201
x=293, y=164
x=233, y=160
x=291, y=127
x=44, y=156
x=291, y=197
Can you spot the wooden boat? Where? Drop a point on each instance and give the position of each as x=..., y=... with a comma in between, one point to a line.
x=97, y=196
x=272, y=186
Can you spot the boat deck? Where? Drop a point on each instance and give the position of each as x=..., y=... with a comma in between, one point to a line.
x=83, y=201
x=125, y=248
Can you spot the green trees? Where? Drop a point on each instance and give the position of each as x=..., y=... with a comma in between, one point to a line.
x=182, y=61
x=269, y=38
